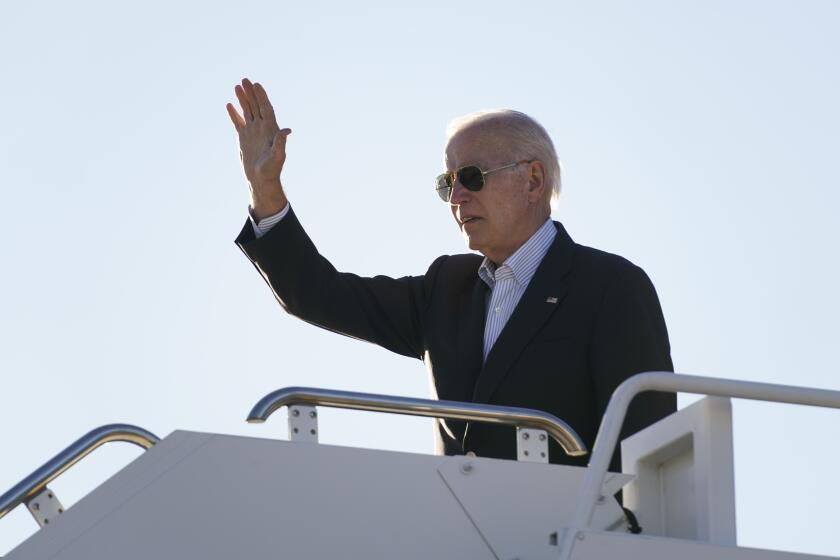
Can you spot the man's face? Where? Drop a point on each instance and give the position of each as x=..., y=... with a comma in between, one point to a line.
x=501, y=216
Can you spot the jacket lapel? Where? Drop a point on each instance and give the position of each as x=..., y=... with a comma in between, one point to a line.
x=541, y=299
x=471, y=334
x=469, y=350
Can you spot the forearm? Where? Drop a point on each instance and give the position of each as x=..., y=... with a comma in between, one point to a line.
x=382, y=310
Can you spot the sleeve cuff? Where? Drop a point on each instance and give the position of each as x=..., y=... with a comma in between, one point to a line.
x=261, y=227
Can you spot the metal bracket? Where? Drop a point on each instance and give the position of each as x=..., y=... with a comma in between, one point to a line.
x=531, y=445
x=303, y=423
x=44, y=506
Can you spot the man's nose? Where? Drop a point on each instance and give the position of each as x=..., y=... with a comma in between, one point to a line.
x=460, y=194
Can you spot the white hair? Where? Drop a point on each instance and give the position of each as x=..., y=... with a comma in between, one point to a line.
x=527, y=138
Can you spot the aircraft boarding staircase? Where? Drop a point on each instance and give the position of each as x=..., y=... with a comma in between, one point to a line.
x=212, y=496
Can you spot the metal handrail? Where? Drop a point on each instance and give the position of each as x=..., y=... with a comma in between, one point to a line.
x=561, y=432
x=38, y=480
x=610, y=429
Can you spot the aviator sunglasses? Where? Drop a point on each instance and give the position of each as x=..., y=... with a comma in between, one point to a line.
x=471, y=176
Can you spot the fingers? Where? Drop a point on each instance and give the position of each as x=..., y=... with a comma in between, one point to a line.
x=265, y=108
x=278, y=145
x=255, y=105
x=238, y=121
x=244, y=103
x=248, y=87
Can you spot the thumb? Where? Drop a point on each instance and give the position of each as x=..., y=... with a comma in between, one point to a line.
x=278, y=145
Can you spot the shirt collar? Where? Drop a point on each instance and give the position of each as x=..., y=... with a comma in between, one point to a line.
x=525, y=260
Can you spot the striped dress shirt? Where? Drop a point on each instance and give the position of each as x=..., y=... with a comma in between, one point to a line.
x=507, y=283
x=262, y=226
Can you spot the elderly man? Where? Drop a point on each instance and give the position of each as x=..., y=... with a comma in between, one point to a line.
x=538, y=322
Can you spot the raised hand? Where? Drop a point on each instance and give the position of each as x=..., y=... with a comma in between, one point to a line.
x=262, y=147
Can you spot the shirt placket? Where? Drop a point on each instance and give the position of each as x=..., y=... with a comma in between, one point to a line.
x=500, y=306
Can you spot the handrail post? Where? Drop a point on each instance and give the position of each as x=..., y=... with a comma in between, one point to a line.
x=35, y=485
x=610, y=428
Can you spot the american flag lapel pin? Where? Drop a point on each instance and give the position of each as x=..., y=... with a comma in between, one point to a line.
x=551, y=300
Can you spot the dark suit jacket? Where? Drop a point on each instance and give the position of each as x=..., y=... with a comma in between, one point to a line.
x=565, y=358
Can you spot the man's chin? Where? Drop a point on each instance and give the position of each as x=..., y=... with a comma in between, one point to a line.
x=472, y=242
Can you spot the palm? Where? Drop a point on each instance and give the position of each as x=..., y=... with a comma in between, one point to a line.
x=256, y=146
x=262, y=144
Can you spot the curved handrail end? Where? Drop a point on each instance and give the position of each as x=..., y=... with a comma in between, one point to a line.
x=46, y=473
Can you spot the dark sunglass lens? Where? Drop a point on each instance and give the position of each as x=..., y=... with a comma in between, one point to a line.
x=471, y=178
x=444, y=193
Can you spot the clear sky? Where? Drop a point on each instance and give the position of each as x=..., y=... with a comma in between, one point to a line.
x=699, y=139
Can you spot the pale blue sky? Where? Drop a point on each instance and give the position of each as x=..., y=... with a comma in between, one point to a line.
x=699, y=139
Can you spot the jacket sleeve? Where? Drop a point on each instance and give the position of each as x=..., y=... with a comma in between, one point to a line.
x=382, y=310
x=630, y=337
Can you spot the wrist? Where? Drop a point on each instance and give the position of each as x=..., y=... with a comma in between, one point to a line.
x=267, y=201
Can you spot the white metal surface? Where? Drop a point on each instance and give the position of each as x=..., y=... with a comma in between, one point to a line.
x=542, y=490
x=685, y=479
x=595, y=545
x=218, y=497
x=613, y=419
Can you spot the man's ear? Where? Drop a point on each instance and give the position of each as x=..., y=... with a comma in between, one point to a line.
x=536, y=181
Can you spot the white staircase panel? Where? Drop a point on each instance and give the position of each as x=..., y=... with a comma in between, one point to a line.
x=214, y=497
